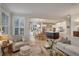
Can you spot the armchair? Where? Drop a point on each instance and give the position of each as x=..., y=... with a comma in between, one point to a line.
x=17, y=43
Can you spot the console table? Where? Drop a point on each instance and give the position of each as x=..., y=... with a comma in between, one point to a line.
x=7, y=49
x=52, y=35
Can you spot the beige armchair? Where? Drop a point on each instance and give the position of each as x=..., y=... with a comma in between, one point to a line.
x=17, y=42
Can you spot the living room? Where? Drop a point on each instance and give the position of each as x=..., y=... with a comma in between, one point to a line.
x=29, y=29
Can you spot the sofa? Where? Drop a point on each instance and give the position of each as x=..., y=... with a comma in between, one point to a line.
x=17, y=42
x=69, y=49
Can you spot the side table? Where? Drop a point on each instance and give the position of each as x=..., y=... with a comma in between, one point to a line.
x=7, y=49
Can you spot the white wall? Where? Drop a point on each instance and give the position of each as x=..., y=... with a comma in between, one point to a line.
x=0, y=15
x=27, y=29
x=63, y=25
x=74, y=40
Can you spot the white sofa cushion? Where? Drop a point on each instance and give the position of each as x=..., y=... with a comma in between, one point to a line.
x=16, y=38
x=17, y=45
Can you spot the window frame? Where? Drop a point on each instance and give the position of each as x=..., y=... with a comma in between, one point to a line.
x=20, y=18
x=3, y=24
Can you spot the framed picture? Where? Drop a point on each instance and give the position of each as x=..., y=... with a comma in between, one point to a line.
x=61, y=29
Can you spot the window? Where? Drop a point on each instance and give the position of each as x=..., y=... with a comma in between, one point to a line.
x=19, y=25
x=16, y=23
x=4, y=23
x=22, y=31
x=16, y=31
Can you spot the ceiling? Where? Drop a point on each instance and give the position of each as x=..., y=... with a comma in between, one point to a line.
x=43, y=10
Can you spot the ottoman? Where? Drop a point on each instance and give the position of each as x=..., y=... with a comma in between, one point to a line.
x=25, y=50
